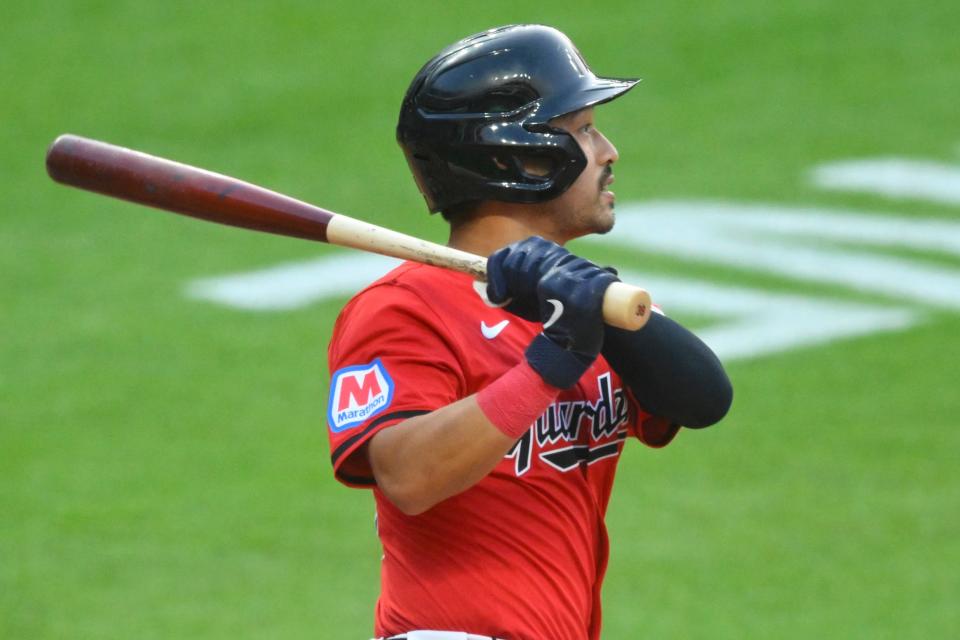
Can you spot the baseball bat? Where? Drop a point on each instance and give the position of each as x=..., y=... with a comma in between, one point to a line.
x=123, y=173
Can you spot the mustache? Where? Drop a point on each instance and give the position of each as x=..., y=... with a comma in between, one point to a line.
x=607, y=172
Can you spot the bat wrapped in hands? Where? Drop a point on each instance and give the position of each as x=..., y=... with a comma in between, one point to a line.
x=156, y=182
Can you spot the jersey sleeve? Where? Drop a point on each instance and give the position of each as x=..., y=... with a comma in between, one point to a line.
x=390, y=358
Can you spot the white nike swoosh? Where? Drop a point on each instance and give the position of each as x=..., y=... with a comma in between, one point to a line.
x=557, y=312
x=492, y=332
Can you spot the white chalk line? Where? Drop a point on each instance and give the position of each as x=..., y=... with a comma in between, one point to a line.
x=798, y=243
x=757, y=322
x=292, y=285
x=892, y=177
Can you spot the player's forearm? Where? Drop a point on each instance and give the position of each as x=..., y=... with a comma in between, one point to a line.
x=432, y=457
x=670, y=371
x=424, y=460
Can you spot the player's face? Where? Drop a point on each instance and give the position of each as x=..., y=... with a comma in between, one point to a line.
x=587, y=206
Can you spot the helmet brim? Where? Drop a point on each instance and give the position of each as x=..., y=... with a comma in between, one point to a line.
x=598, y=91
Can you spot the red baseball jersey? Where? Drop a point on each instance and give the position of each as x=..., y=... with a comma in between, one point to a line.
x=520, y=555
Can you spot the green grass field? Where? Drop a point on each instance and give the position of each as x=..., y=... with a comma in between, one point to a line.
x=164, y=470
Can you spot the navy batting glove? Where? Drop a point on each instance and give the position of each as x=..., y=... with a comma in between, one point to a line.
x=514, y=272
x=571, y=309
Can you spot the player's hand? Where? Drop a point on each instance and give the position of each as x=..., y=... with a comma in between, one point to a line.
x=514, y=272
x=570, y=298
x=571, y=304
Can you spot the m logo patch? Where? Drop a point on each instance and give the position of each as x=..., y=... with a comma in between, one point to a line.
x=356, y=393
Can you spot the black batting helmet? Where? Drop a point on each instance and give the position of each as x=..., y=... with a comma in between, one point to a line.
x=478, y=113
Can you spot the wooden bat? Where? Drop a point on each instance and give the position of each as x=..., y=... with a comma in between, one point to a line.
x=156, y=182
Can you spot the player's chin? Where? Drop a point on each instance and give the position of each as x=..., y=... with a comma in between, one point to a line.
x=604, y=220
x=608, y=227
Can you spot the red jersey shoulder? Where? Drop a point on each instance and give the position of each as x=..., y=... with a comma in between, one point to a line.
x=384, y=287
x=413, y=276
x=418, y=289
x=391, y=357
x=388, y=325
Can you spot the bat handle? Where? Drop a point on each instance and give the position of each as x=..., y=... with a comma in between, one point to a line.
x=624, y=306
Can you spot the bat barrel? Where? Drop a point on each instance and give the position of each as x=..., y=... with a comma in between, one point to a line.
x=157, y=182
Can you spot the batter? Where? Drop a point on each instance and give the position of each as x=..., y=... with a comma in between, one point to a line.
x=488, y=421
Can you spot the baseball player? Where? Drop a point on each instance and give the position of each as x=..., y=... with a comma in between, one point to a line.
x=488, y=420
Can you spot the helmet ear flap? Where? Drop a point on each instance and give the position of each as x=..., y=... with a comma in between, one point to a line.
x=420, y=168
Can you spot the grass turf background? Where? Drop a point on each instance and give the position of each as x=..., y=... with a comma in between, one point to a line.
x=163, y=463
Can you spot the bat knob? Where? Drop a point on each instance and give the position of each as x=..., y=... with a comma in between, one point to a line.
x=626, y=306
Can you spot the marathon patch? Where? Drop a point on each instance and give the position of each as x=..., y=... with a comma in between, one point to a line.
x=357, y=393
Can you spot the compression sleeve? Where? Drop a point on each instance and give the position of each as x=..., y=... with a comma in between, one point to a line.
x=670, y=371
